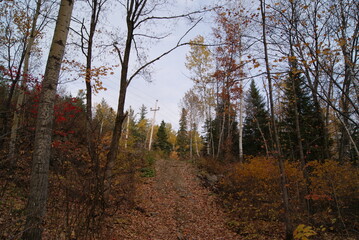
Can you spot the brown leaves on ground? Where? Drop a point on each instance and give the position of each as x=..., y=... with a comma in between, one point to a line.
x=172, y=205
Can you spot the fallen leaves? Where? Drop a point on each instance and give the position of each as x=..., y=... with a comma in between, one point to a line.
x=174, y=205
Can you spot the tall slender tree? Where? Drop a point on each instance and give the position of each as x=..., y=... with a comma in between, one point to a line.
x=277, y=149
x=87, y=35
x=199, y=62
x=36, y=206
x=228, y=73
x=138, y=13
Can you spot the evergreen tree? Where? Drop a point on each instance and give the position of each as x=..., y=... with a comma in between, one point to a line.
x=162, y=139
x=256, y=123
x=182, y=136
x=297, y=96
x=143, y=113
x=140, y=129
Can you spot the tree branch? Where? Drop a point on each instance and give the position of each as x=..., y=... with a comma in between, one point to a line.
x=172, y=17
x=119, y=53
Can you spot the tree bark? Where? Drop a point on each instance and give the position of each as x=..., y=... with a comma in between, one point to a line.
x=278, y=154
x=344, y=148
x=120, y=117
x=36, y=206
x=240, y=128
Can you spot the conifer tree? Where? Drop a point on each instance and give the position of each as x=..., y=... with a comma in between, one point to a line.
x=297, y=97
x=143, y=112
x=256, y=124
x=162, y=139
x=182, y=136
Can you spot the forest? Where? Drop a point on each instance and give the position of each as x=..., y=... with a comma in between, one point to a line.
x=270, y=126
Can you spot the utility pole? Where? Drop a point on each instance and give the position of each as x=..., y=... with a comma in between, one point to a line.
x=153, y=123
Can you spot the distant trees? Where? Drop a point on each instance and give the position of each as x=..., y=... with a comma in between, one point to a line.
x=182, y=142
x=162, y=142
x=311, y=73
x=256, y=136
x=304, y=61
x=138, y=15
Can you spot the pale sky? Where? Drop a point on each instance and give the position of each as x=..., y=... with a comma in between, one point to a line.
x=170, y=78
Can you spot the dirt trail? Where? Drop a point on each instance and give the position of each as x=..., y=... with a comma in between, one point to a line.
x=174, y=205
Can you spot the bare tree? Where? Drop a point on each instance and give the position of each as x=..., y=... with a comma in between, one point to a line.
x=278, y=154
x=138, y=13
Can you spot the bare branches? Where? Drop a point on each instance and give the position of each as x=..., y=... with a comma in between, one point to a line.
x=152, y=37
x=188, y=31
x=179, y=44
x=154, y=60
x=186, y=15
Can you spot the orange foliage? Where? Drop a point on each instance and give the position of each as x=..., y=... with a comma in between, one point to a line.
x=335, y=180
x=251, y=192
x=256, y=184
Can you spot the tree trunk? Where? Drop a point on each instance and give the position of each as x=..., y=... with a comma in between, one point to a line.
x=120, y=117
x=278, y=154
x=300, y=146
x=263, y=137
x=221, y=135
x=344, y=148
x=7, y=103
x=36, y=206
x=16, y=119
x=240, y=128
x=294, y=75
x=197, y=148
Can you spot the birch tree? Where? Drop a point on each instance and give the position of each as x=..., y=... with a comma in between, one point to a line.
x=36, y=206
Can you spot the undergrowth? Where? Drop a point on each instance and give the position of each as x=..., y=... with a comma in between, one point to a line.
x=251, y=193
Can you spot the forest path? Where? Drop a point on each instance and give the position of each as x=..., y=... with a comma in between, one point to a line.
x=174, y=205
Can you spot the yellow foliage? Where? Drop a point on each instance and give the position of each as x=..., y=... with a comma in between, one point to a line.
x=302, y=232
x=255, y=184
x=333, y=179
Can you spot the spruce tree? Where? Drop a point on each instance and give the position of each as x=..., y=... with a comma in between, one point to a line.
x=256, y=124
x=141, y=128
x=297, y=96
x=162, y=139
x=182, y=136
x=143, y=112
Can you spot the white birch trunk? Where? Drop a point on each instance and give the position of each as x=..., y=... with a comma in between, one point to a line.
x=36, y=206
x=240, y=128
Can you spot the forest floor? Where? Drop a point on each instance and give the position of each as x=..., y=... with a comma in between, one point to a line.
x=173, y=205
